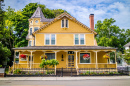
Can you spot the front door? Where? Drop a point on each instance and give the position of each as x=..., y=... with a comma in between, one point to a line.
x=70, y=61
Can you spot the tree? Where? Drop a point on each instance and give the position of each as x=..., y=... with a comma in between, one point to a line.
x=110, y=34
x=21, y=21
x=127, y=56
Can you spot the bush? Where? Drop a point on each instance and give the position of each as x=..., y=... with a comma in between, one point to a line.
x=17, y=71
x=0, y=66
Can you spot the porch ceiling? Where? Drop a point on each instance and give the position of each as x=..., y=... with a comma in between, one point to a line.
x=65, y=48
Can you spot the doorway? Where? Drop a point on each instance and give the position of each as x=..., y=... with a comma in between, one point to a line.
x=70, y=61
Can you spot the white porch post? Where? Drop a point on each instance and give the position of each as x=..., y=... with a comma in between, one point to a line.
x=115, y=56
x=14, y=60
x=31, y=60
x=76, y=60
x=96, y=61
x=55, y=59
x=109, y=58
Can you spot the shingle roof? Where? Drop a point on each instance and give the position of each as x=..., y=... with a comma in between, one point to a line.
x=38, y=14
x=65, y=48
x=127, y=45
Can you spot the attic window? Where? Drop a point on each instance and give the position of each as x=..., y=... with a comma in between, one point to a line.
x=64, y=23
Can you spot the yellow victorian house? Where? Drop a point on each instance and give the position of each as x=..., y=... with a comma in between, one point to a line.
x=63, y=38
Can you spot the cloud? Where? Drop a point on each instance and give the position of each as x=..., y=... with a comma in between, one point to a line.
x=80, y=9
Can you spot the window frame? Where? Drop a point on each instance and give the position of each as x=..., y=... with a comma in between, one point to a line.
x=30, y=31
x=35, y=28
x=37, y=21
x=79, y=39
x=28, y=43
x=49, y=39
x=65, y=23
x=49, y=52
x=90, y=58
x=26, y=58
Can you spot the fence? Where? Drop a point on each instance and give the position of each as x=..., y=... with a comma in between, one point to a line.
x=72, y=71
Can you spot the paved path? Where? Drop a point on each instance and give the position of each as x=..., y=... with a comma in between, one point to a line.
x=103, y=82
x=67, y=78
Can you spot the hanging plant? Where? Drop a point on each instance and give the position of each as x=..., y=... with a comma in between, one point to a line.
x=86, y=56
x=106, y=56
x=43, y=57
x=23, y=57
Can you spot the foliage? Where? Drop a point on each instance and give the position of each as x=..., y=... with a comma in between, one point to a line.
x=111, y=35
x=0, y=66
x=127, y=56
x=44, y=63
x=17, y=71
x=43, y=57
x=16, y=59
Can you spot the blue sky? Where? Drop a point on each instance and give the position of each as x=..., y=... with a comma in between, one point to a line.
x=80, y=9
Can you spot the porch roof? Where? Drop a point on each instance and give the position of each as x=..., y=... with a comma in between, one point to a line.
x=65, y=48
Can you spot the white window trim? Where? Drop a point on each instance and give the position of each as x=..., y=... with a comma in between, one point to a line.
x=49, y=52
x=29, y=30
x=49, y=39
x=28, y=43
x=79, y=39
x=64, y=23
x=84, y=52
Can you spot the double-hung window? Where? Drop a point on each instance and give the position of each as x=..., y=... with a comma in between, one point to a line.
x=79, y=39
x=30, y=43
x=64, y=23
x=50, y=39
x=30, y=31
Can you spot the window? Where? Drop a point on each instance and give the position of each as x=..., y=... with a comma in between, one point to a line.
x=30, y=42
x=30, y=31
x=53, y=39
x=85, y=60
x=35, y=29
x=24, y=59
x=64, y=23
x=76, y=39
x=79, y=39
x=47, y=39
x=36, y=21
x=50, y=39
x=50, y=56
x=31, y=22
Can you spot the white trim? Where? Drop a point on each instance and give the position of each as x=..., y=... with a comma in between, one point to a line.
x=49, y=39
x=84, y=52
x=35, y=39
x=64, y=23
x=79, y=39
x=31, y=42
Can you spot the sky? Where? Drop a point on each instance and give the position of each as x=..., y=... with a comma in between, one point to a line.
x=81, y=9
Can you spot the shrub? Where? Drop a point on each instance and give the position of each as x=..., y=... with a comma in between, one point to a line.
x=17, y=71
x=0, y=66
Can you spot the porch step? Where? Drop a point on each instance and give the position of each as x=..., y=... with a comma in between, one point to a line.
x=66, y=71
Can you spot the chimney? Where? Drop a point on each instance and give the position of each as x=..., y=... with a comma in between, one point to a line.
x=91, y=18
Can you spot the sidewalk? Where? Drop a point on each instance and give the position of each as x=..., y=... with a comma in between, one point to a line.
x=65, y=78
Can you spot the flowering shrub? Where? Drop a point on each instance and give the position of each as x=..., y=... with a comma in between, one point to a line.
x=23, y=57
x=86, y=56
x=106, y=56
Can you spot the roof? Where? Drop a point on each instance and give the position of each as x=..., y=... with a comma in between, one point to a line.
x=127, y=45
x=69, y=17
x=38, y=14
x=65, y=48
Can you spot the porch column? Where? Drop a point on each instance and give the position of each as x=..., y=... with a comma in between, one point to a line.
x=55, y=59
x=14, y=60
x=31, y=60
x=76, y=60
x=96, y=60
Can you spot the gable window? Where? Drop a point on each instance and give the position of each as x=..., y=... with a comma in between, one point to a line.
x=79, y=39
x=30, y=31
x=64, y=23
x=35, y=29
x=30, y=42
x=50, y=39
x=85, y=58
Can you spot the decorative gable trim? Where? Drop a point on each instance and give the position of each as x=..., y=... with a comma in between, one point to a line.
x=69, y=17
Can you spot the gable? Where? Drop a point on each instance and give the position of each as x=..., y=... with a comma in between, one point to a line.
x=74, y=26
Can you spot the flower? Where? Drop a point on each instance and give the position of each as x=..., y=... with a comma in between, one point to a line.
x=43, y=57
x=106, y=56
x=22, y=56
x=86, y=56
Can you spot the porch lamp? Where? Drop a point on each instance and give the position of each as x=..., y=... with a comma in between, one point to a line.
x=62, y=58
